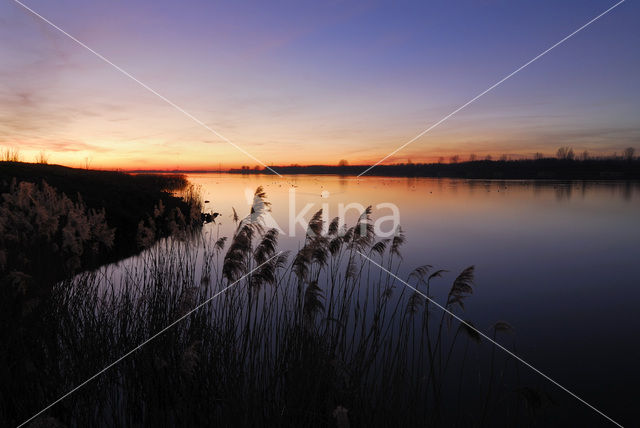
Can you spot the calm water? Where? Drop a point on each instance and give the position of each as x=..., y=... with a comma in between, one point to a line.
x=557, y=260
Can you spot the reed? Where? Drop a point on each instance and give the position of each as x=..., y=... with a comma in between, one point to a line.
x=320, y=337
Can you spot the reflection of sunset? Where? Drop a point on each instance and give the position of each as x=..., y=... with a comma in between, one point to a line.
x=427, y=206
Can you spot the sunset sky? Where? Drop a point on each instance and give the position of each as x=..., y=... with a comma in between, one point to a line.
x=314, y=82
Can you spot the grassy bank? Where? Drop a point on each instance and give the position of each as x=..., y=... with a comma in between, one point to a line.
x=56, y=221
x=126, y=199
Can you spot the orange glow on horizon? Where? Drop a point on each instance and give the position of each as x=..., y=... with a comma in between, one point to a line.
x=110, y=162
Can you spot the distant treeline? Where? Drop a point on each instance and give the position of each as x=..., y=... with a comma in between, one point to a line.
x=543, y=168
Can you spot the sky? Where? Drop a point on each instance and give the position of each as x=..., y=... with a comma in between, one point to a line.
x=296, y=82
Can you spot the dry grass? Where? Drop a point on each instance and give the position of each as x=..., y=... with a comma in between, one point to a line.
x=317, y=338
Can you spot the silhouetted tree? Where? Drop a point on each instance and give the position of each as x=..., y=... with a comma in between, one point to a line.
x=454, y=159
x=628, y=153
x=343, y=162
x=565, y=153
x=10, y=154
x=472, y=157
x=488, y=158
x=538, y=156
x=42, y=158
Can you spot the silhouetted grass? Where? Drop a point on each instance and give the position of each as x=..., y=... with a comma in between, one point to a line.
x=125, y=198
x=320, y=337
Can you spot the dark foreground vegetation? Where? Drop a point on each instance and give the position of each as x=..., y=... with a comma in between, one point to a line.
x=544, y=168
x=321, y=337
x=56, y=221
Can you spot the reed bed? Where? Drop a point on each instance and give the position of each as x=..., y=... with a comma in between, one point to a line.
x=319, y=337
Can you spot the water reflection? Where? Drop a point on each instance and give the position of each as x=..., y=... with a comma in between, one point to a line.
x=550, y=256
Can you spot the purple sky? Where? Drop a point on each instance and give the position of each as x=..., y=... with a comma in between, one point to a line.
x=315, y=82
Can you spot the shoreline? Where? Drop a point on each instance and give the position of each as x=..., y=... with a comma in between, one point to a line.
x=540, y=169
x=67, y=208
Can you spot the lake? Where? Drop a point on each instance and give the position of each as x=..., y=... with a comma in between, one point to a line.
x=556, y=260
